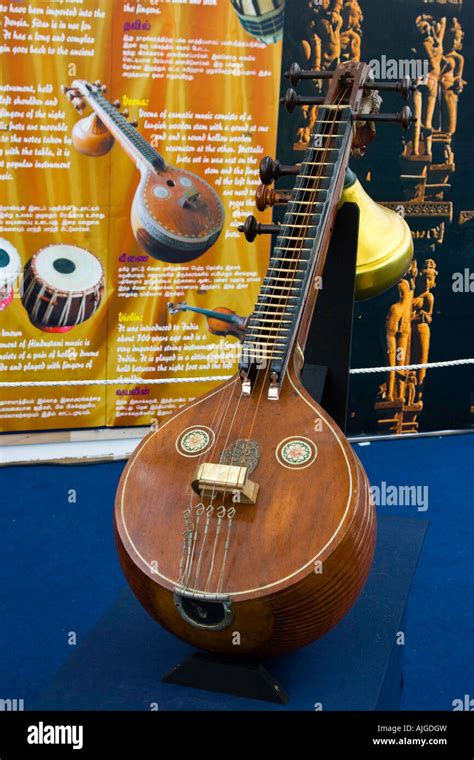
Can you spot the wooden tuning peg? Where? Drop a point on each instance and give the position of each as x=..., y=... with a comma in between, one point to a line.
x=271, y=170
x=291, y=100
x=125, y=113
x=405, y=117
x=116, y=104
x=133, y=123
x=78, y=104
x=267, y=197
x=251, y=228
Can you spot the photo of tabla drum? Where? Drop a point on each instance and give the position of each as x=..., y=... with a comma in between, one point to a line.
x=62, y=287
x=10, y=268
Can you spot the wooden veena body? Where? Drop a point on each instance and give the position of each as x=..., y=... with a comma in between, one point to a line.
x=176, y=216
x=296, y=560
x=244, y=524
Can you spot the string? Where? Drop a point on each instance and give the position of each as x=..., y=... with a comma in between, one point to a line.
x=296, y=261
x=282, y=300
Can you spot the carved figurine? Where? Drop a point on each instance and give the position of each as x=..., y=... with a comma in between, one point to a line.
x=422, y=317
x=425, y=98
x=398, y=336
x=451, y=80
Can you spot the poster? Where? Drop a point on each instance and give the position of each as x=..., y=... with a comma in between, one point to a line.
x=426, y=176
x=101, y=229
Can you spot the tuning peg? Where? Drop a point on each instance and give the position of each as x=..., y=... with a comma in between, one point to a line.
x=103, y=88
x=78, y=104
x=405, y=87
x=98, y=83
x=251, y=228
x=267, y=197
x=405, y=117
x=116, y=104
x=295, y=74
x=133, y=123
x=271, y=170
x=71, y=94
x=125, y=113
x=291, y=100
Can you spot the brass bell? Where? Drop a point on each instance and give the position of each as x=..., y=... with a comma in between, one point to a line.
x=385, y=248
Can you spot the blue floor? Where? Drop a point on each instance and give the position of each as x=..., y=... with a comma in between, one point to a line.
x=59, y=573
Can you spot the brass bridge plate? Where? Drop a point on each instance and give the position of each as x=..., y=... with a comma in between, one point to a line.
x=211, y=478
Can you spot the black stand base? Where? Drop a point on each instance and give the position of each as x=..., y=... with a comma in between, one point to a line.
x=241, y=678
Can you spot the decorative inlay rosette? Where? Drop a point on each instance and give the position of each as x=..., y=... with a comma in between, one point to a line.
x=194, y=441
x=296, y=453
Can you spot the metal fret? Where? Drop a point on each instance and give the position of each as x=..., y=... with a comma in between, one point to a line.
x=279, y=287
x=139, y=142
x=293, y=271
x=269, y=295
x=302, y=203
x=313, y=189
x=287, y=248
x=303, y=213
x=283, y=295
x=276, y=278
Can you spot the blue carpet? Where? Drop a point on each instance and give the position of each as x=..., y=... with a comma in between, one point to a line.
x=59, y=572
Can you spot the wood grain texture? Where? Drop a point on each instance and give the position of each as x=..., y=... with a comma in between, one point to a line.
x=282, y=598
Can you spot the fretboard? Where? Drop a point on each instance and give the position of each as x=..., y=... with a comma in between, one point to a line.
x=273, y=325
x=123, y=131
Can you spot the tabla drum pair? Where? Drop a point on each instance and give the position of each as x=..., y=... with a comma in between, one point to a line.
x=10, y=268
x=63, y=286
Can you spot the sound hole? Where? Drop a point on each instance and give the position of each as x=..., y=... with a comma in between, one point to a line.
x=64, y=266
x=201, y=613
x=4, y=258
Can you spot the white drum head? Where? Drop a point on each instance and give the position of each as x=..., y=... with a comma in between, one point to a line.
x=10, y=264
x=67, y=268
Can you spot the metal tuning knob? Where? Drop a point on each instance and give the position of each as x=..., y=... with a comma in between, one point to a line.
x=405, y=117
x=271, y=170
x=251, y=228
x=291, y=100
x=295, y=74
x=267, y=197
x=405, y=87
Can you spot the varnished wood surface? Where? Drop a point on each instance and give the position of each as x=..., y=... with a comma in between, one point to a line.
x=321, y=513
x=182, y=224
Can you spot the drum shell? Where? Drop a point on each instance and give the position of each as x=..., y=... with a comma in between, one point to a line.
x=37, y=295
